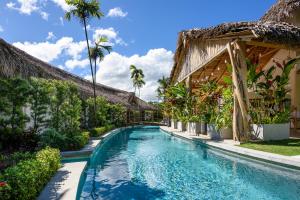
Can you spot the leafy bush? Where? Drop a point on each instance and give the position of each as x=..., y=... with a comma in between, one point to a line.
x=77, y=141
x=109, y=127
x=96, y=132
x=26, y=179
x=52, y=138
x=19, y=156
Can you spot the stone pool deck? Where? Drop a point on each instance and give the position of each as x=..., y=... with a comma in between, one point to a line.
x=232, y=147
x=64, y=184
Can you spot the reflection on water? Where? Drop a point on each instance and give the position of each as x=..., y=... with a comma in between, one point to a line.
x=145, y=163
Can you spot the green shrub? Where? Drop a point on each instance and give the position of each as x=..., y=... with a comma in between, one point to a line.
x=19, y=156
x=96, y=132
x=28, y=177
x=109, y=127
x=64, y=142
x=52, y=138
x=77, y=141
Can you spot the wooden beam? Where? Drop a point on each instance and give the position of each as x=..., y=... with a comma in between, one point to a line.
x=268, y=45
x=241, y=101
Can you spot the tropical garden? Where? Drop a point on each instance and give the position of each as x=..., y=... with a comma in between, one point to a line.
x=209, y=108
x=39, y=118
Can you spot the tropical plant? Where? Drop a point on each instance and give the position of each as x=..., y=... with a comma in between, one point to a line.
x=26, y=179
x=65, y=107
x=225, y=115
x=84, y=11
x=39, y=101
x=207, y=102
x=116, y=115
x=180, y=100
x=270, y=88
x=98, y=52
x=102, y=107
x=163, y=85
x=14, y=95
x=137, y=77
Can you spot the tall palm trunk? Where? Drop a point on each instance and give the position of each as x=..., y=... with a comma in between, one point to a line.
x=93, y=78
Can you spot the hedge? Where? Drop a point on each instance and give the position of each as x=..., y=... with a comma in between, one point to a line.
x=26, y=179
x=96, y=132
x=64, y=142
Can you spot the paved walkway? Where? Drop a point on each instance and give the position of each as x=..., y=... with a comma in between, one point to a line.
x=64, y=184
x=232, y=146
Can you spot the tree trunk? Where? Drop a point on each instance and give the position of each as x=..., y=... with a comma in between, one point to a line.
x=93, y=78
x=241, y=118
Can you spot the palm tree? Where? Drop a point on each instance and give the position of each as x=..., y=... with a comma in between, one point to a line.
x=97, y=52
x=137, y=77
x=163, y=85
x=84, y=11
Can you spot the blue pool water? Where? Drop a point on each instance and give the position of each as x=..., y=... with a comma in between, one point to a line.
x=147, y=163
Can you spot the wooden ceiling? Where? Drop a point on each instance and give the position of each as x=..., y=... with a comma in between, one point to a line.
x=217, y=68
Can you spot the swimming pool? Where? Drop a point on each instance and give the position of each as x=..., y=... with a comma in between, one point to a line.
x=147, y=163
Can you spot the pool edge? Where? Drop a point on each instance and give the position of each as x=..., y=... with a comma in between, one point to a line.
x=280, y=160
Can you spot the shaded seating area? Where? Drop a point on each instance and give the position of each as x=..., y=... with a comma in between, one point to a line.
x=203, y=55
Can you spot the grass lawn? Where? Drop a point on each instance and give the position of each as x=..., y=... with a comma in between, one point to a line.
x=290, y=147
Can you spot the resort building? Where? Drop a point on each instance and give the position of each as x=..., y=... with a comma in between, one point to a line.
x=204, y=54
x=17, y=63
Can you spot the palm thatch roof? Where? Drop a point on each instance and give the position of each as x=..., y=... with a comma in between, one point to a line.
x=274, y=27
x=270, y=32
x=282, y=11
x=15, y=62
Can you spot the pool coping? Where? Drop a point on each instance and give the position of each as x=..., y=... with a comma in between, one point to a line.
x=292, y=162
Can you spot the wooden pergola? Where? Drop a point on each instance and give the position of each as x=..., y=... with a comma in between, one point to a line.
x=203, y=54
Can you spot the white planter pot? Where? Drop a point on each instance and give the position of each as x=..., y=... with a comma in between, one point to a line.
x=226, y=133
x=271, y=131
x=174, y=124
x=212, y=132
x=194, y=128
x=181, y=126
x=203, y=128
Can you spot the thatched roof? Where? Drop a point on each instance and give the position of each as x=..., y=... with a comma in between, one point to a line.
x=15, y=62
x=282, y=11
x=270, y=32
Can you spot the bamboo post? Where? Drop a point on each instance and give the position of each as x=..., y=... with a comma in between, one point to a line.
x=241, y=118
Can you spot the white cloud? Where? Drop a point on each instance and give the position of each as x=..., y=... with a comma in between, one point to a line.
x=62, y=4
x=114, y=70
x=50, y=36
x=48, y=51
x=111, y=34
x=1, y=29
x=61, y=19
x=74, y=63
x=10, y=5
x=116, y=12
x=44, y=15
x=27, y=7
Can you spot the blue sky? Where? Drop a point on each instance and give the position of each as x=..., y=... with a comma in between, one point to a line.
x=142, y=32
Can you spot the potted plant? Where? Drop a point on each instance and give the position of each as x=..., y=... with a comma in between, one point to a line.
x=194, y=125
x=276, y=127
x=224, y=117
x=174, y=123
x=271, y=115
x=207, y=104
x=181, y=102
x=182, y=124
x=212, y=131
